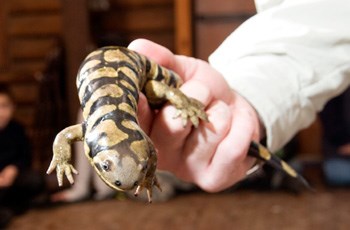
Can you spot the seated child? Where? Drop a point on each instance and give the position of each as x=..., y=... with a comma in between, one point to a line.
x=18, y=183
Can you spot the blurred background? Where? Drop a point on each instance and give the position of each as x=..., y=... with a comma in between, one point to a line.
x=42, y=43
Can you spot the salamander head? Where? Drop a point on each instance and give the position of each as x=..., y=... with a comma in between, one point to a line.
x=121, y=173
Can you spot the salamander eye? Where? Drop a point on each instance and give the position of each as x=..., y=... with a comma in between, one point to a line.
x=106, y=165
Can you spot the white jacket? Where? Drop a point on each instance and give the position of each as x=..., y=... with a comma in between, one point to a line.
x=288, y=60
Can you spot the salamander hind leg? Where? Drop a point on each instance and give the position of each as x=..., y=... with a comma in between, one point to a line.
x=187, y=108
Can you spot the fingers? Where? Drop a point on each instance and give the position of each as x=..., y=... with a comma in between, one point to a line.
x=167, y=131
x=52, y=166
x=230, y=162
x=59, y=174
x=68, y=171
x=73, y=170
x=62, y=170
x=201, y=145
x=69, y=176
x=214, y=156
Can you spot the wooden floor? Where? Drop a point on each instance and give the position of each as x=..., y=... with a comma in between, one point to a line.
x=326, y=209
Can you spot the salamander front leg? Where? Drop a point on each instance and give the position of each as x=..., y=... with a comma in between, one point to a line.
x=187, y=108
x=62, y=153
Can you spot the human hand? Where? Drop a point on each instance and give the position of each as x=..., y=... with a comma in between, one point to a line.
x=344, y=149
x=214, y=156
x=8, y=176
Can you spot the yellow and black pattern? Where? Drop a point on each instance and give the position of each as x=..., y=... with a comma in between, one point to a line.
x=260, y=152
x=109, y=82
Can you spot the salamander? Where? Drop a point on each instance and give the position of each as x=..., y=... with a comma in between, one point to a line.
x=109, y=82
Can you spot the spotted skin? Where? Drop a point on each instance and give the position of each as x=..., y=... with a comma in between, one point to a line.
x=109, y=82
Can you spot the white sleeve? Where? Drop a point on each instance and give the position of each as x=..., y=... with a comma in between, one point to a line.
x=288, y=61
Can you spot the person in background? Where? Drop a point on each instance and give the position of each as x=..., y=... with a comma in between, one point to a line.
x=18, y=183
x=336, y=140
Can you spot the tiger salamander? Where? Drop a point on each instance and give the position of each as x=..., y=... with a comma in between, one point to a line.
x=109, y=82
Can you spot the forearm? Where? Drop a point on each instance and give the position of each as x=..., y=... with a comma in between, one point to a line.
x=288, y=62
